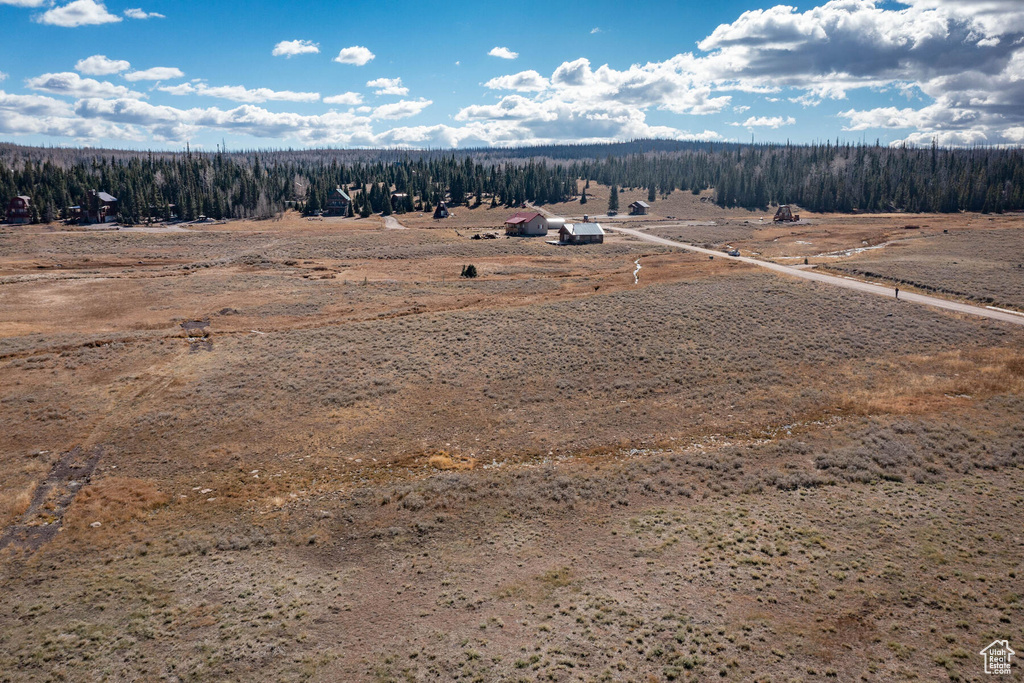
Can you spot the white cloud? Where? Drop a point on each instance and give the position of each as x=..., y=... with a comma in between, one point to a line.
x=3, y=76
x=239, y=93
x=34, y=105
x=503, y=53
x=766, y=122
x=83, y=131
x=140, y=14
x=171, y=123
x=961, y=63
x=401, y=110
x=524, y=81
x=78, y=13
x=25, y=3
x=180, y=89
x=157, y=73
x=100, y=65
x=71, y=84
x=349, y=98
x=356, y=54
x=596, y=29
x=388, y=86
x=964, y=58
x=290, y=48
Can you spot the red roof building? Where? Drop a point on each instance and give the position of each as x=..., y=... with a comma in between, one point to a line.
x=526, y=223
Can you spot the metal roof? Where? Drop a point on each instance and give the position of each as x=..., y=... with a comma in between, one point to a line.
x=340, y=191
x=584, y=229
x=641, y=203
x=103, y=196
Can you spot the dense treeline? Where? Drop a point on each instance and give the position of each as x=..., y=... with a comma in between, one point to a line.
x=258, y=184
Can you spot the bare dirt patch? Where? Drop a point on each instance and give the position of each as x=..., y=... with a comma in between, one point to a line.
x=45, y=514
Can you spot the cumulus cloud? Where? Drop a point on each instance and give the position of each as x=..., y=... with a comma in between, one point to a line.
x=402, y=109
x=290, y=48
x=157, y=73
x=349, y=98
x=101, y=65
x=766, y=122
x=78, y=13
x=388, y=86
x=524, y=81
x=356, y=54
x=140, y=14
x=966, y=57
x=71, y=84
x=239, y=93
x=34, y=105
x=503, y=53
x=960, y=61
x=25, y=3
x=171, y=123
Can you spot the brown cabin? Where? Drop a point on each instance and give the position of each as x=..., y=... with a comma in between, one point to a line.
x=338, y=203
x=639, y=208
x=581, y=233
x=19, y=210
x=102, y=208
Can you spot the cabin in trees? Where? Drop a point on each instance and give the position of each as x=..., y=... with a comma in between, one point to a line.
x=526, y=223
x=19, y=210
x=441, y=211
x=639, y=208
x=581, y=233
x=338, y=203
x=102, y=208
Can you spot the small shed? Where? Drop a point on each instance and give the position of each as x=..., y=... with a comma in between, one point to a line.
x=526, y=223
x=19, y=210
x=441, y=211
x=581, y=233
x=338, y=203
x=639, y=208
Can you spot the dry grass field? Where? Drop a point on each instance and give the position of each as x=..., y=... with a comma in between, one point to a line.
x=308, y=450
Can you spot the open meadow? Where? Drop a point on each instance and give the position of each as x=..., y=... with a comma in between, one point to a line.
x=301, y=449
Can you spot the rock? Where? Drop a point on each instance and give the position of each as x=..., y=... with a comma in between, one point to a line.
x=96, y=525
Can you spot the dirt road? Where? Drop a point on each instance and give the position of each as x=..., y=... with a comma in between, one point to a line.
x=847, y=283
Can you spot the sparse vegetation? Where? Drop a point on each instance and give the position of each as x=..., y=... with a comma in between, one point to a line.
x=373, y=470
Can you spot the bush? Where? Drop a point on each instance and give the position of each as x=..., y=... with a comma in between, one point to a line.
x=469, y=271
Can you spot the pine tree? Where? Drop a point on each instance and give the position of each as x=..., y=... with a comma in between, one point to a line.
x=613, y=200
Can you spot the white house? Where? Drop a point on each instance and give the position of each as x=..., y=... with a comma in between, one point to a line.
x=526, y=223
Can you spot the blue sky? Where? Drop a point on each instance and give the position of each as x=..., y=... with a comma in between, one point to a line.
x=157, y=74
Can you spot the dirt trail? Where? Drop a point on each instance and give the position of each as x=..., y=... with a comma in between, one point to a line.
x=847, y=283
x=391, y=223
